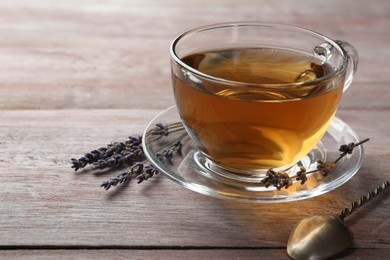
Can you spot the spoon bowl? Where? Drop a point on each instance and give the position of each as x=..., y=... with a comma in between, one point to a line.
x=319, y=237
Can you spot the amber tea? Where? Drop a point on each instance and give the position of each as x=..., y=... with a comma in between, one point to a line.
x=251, y=109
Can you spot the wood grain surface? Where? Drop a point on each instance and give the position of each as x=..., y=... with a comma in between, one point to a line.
x=76, y=75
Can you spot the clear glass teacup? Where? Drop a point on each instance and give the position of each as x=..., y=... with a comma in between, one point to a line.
x=254, y=96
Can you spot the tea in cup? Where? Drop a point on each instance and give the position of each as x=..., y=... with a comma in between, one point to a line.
x=254, y=96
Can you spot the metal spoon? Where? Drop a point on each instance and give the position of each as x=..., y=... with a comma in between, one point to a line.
x=319, y=237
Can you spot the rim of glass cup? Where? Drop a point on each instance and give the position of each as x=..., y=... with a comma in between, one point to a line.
x=214, y=26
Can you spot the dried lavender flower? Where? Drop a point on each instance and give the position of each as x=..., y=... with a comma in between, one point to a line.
x=104, y=153
x=301, y=175
x=325, y=168
x=149, y=172
x=347, y=148
x=167, y=154
x=272, y=178
x=88, y=158
x=284, y=181
x=277, y=179
x=121, y=178
x=138, y=171
x=160, y=130
x=129, y=155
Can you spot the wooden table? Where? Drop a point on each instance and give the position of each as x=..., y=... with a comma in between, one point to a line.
x=76, y=75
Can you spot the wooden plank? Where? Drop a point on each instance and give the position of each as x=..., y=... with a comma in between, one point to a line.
x=355, y=254
x=42, y=202
x=113, y=54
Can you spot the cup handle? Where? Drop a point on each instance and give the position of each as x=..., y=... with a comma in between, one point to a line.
x=353, y=60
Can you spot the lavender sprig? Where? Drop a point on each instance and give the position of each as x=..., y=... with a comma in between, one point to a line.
x=148, y=172
x=160, y=130
x=282, y=180
x=104, y=153
x=88, y=158
x=167, y=154
x=142, y=171
x=133, y=153
x=129, y=156
x=130, y=152
x=126, y=152
x=121, y=178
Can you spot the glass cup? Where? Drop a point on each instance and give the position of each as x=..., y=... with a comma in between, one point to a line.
x=254, y=96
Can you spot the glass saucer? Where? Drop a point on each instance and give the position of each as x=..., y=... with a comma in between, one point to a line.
x=185, y=169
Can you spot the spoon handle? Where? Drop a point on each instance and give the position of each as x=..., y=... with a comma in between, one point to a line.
x=363, y=200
